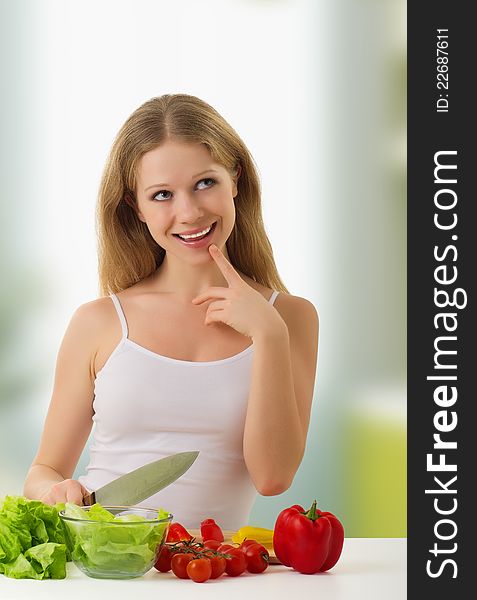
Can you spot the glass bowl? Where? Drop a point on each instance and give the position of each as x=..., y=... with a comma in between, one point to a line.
x=122, y=548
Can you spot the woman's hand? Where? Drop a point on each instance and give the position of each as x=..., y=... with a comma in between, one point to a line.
x=68, y=490
x=239, y=305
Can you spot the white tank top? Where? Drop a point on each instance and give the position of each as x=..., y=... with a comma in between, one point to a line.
x=147, y=406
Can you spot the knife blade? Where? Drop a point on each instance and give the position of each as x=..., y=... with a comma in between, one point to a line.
x=143, y=482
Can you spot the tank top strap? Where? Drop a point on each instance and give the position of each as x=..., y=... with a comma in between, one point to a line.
x=122, y=318
x=273, y=297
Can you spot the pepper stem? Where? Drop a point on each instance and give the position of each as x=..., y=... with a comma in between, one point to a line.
x=311, y=513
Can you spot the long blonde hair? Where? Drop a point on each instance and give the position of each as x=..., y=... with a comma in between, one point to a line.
x=127, y=253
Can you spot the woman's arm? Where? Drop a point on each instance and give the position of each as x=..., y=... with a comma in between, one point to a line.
x=281, y=393
x=69, y=419
x=285, y=339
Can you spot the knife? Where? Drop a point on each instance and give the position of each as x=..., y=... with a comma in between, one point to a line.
x=143, y=482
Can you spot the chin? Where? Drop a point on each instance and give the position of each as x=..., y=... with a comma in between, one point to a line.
x=192, y=256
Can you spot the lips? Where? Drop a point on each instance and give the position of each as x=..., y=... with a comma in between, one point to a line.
x=197, y=241
x=193, y=231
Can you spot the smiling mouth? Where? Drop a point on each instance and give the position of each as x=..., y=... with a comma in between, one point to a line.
x=195, y=238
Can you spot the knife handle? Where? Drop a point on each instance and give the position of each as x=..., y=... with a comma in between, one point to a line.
x=89, y=499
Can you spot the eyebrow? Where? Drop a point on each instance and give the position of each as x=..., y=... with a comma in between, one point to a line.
x=193, y=177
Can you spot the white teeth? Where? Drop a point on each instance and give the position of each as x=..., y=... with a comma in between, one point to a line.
x=195, y=235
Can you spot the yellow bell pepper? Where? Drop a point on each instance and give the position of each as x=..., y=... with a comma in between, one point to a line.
x=259, y=534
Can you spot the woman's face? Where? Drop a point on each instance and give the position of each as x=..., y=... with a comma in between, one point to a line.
x=180, y=189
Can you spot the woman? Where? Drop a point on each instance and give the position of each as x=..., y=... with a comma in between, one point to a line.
x=195, y=343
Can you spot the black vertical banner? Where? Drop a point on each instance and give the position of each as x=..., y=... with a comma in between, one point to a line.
x=442, y=241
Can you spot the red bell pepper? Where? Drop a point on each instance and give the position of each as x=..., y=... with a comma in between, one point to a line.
x=209, y=530
x=177, y=533
x=308, y=541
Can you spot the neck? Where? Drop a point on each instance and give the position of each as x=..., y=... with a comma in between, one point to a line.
x=186, y=281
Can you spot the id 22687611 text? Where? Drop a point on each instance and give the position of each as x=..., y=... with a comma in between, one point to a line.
x=442, y=65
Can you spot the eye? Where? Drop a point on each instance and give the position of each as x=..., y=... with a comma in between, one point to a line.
x=207, y=179
x=155, y=197
x=210, y=182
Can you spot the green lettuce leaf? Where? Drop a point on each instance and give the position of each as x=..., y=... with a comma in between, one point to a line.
x=49, y=559
x=20, y=568
x=98, y=513
x=125, y=549
x=32, y=542
x=10, y=546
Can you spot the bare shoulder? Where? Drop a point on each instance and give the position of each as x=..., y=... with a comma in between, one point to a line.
x=92, y=323
x=301, y=318
x=94, y=314
x=296, y=311
x=93, y=330
x=302, y=321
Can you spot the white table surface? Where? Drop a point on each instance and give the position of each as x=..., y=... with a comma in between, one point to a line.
x=369, y=568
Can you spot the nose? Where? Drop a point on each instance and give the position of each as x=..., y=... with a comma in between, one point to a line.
x=188, y=209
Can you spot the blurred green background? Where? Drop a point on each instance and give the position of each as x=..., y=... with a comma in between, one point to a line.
x=317, y=91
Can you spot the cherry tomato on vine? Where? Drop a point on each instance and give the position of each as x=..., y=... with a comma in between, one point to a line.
x=247, y=543
x=163, y=562
x=218, y=564
x=179, y=563
x=257, y=557
x=199, y=569
x=237, y=564
x=212, y=544
x=225, y=548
